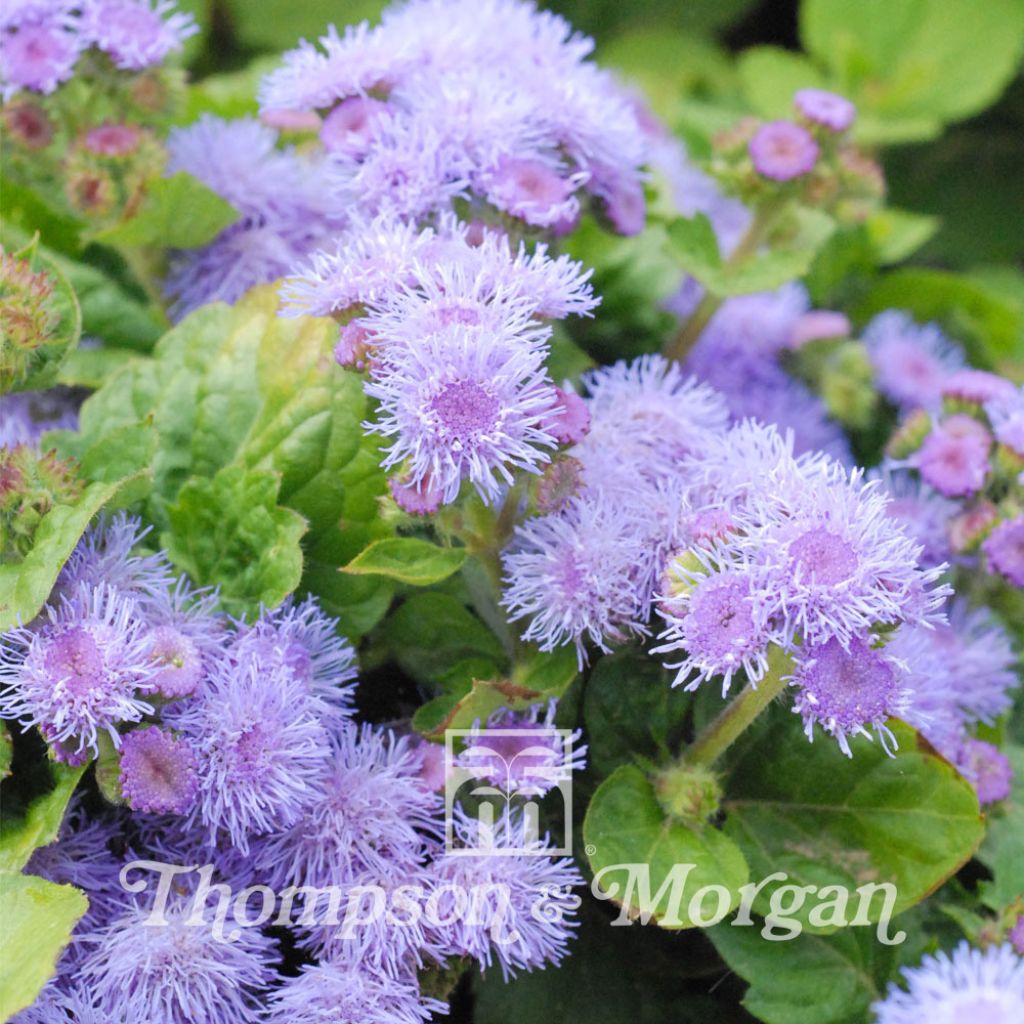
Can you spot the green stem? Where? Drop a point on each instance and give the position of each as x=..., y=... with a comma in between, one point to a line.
x=683, y=341
x=720, y=734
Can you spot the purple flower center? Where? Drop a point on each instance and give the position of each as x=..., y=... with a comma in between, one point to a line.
x=721, y=619
x=851, y=688
x=179, y=660
x=823, y=556
x=75, y=658
x=466, y=410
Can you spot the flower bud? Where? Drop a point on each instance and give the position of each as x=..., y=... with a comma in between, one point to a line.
x=910, y=435
x=688, y=793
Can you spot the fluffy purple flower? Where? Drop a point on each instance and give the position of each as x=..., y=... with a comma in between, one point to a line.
x=68, y=1005
x=1004, y=549
x=158, y=771
x=1016, y=935
x=646, y=416
x=710, y=617
x=282, y=199
x=261, y=749
x=492, y=98
x=297, y=639
x=969, y=985
x=987, y=768
x=347, y=129
x=39, y=47
x=1006, y=414
x=923, y=513
x=848, y=690
x=912, y=361
x=782, y=150
x=82, y=672
x=954, y=456
x=460, y=406
x=328, y=994
x=533, y=191
x=830, y=563
x=27, y=415
x=136, y=34
x=187, y=634
x=176, y=972
x=576, y=575
x=825, y=108
x=366, y=812
x=528, y=917
x=521, y=753
x=104, y=557
x=960, y=672
x=976, y=386
x=754, y=326
x=242, y=256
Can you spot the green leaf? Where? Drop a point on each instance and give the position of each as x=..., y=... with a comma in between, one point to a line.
x=896, y=234
x=408, y=560
x=429, y=633
x=825, y=819
x=26, y=209
x=36, y=919
x=19, y=837
x=625, y=825
x=771, y=76
x=695, y=248
x=243, y=386
x=25, y=585
x=179, y=212
x=809, y=979
x=45, y=361
x=630, y=710
x=917, y=63
x=230, y=532
x=278, y=24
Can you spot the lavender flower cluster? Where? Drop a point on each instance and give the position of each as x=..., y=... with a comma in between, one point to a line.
x=235, y=747
x=41, y=41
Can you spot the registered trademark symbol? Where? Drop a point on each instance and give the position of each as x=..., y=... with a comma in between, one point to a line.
x=590, y=849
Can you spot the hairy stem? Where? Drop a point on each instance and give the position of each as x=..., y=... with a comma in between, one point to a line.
x=720, y=734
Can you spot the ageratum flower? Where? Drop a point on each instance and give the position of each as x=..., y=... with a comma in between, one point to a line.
x=136, y=34
x=830, y=563
x=986, y=767
x=710, y=616
x=83, y=671
x=73, y=1004
x=577, y=576
x=39, y=46
x=493, y=100
x=849, y=690
x=158, y=771
x=297, y=639
x=954, y=458
x=1006, y=414
x=912, y=361
x=782, y=150
x=527, y=915
x=366, y=812
x=923, y=514
x=104, y=556
x=646, y=416
x=27, y=415
x=177, y=972
x=960, y=672
x=969, y=985
x=825, y=108
x=1004, y=550
x=261, y=748
x=329, y=993
x=464, y=406
x=522, y=752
